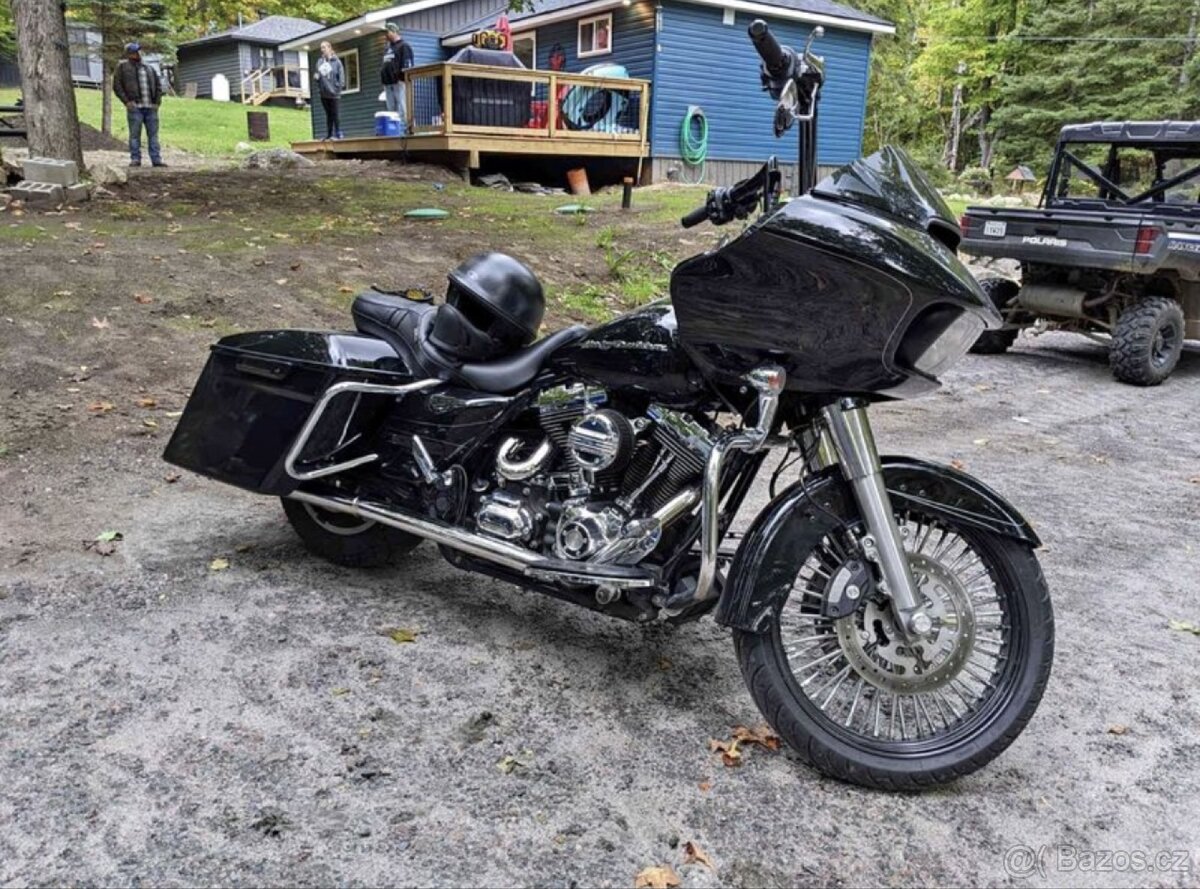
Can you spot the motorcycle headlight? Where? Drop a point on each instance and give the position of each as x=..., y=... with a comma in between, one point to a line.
x=937, y=338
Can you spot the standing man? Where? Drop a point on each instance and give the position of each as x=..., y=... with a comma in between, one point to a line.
x=331, y=80
x=397, y=56
x=137, y=85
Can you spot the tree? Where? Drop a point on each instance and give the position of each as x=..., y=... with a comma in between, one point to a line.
x=51, y=118
x=1097, y=60
x=119, y=22
x=8, y=37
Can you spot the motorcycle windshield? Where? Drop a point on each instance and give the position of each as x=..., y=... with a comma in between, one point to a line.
x=889, y=181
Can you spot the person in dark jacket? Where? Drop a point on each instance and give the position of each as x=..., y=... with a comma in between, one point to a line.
x=331, y=80
x=137, y=85
x=397, y=57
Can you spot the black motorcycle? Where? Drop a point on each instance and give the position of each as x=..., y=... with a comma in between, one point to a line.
x=889, y=614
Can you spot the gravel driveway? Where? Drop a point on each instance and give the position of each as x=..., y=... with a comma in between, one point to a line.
x=165, y=723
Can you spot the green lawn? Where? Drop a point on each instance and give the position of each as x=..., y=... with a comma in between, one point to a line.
x=197, y=125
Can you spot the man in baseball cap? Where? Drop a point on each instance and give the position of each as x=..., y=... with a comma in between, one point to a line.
x=137, y=85
x=397, y=56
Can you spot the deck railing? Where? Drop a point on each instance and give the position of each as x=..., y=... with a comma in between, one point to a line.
x=272, y=82
x=446, y=99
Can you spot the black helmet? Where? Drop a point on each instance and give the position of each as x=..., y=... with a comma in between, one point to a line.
x=494, y=305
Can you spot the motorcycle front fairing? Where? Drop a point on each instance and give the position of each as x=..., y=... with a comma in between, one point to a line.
x=853, y=289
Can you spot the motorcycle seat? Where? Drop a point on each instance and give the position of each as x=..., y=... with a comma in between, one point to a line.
x=404, y=325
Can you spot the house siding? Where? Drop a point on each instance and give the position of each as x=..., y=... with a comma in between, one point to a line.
x=701, y=61
x=199, y=64
x=632, y=41
x=358, y=110
x=442, y=19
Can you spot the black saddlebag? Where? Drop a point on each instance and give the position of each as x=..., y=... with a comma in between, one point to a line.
x=256, y=392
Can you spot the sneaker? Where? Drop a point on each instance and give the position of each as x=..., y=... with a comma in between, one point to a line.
x=340, y=135
x=135, y=163
x=160, y=163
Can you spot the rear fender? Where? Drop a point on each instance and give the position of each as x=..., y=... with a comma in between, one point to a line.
x=770, y=556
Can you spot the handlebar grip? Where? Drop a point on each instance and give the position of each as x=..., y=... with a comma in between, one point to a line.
x=697, y=216
x=768, y=48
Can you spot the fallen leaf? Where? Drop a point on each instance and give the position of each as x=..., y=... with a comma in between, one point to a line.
x=1184, y=626
x=1100, y=458
x=281, y=281
x=693, y=854
x=62, y=292
x=509, y=764
x=243, y=547
x=101, y=407
x=171, y=477
x=656, y=878
x=730, y=755
x=401, y=634
x=345, y=289
x=664, y=663
x=99, y=245
x=143, y=298
x=173, y=414
x=1024, y=420
x=218, y=564
x=958, y=464
x=705, y=786
x=762, y=736
x=295, y=266
x=146, y=402
x=150, y=424
x=100, y=323
x=109, y=536
x=980, y=442
x=1117, y=729
x=1195, y=479
x=338, y=692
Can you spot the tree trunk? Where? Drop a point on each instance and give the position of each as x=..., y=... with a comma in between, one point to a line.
x=987, y=139
x=44, y=59
x=106, y=94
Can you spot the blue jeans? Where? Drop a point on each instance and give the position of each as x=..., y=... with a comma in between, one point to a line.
x=136, y=118
x=397, y=100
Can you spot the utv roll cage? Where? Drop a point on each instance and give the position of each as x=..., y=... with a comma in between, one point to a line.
x=1166, y=140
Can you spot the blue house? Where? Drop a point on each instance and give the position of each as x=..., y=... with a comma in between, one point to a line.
x=691, y=54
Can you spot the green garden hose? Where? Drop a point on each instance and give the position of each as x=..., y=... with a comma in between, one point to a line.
x=694, y=151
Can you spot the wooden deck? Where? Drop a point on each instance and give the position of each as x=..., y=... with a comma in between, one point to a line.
x=457, y=113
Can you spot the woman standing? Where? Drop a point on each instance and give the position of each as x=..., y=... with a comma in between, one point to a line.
x=331, y=80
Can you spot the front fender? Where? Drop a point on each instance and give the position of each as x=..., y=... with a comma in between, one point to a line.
x=770, y=556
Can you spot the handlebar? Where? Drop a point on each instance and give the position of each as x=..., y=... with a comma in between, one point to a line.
x=697, y=216
x=777, y=60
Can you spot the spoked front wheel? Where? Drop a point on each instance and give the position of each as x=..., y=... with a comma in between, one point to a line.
x=865, y=704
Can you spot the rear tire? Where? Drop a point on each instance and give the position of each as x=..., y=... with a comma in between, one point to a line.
x=1147, y=341
x=794, y=700
x=1001, y=292
x=346, y=540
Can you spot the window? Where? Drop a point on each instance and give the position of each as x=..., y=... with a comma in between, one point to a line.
x=595, y=36
x=524, y=47
x=349, y=59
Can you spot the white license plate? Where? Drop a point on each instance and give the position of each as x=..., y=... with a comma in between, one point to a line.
x=995, y=229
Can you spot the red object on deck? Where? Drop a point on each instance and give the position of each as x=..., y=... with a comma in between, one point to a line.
x=505, y=28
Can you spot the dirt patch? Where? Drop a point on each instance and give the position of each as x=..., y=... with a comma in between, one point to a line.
x=165, y=722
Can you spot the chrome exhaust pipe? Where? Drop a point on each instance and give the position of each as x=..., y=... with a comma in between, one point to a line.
x=497, y=551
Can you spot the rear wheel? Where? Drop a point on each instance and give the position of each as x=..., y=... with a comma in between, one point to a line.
x=1147, y=341
x=863, y=704
x=1001, y=292
x=345, y=539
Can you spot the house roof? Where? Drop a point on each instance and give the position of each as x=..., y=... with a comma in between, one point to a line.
x=817, y=12
x=273, y=29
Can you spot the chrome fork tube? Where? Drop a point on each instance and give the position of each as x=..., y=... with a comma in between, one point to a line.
x=854, y=443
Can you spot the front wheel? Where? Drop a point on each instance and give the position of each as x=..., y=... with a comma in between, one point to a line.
x=863, y=704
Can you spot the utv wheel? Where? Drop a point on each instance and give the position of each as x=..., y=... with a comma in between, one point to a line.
x=1001, y=292
x=347, y=540
x=1147, y=341
x=864, y=705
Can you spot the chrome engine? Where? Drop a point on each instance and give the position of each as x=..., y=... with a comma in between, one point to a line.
x=599, y=485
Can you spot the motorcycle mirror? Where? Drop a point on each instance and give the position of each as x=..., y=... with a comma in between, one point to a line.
x=816, y=34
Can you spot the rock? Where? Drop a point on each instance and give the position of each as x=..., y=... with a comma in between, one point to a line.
x=243, y=147
x=5, y=200
x=276, y=159
x=38, y=195
x=107, y=174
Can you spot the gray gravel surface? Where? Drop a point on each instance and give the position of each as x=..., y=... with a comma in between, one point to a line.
x=162, y=723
